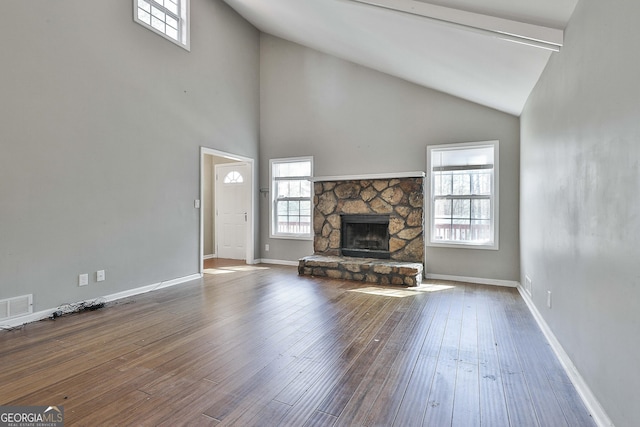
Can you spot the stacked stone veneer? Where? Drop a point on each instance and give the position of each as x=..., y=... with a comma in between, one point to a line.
x=401, y=198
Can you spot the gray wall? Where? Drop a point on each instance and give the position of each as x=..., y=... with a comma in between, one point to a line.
x=579, y=200
x=102, y=121
x=354, y=120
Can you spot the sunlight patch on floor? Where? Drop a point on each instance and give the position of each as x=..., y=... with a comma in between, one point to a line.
x=426, y=287
x=402, y=292
x=232, y=269
x=245, y=268
x=216, y=271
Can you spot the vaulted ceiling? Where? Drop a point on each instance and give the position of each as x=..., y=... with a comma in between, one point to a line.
x=461, y=47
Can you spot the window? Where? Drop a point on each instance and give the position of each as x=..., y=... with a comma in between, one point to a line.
x=291, y=197
x=464, y=194
x=169, y=18
x=233, y=177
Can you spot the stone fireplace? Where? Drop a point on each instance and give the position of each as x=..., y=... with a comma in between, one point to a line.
x=401, y=199
x=375, y=218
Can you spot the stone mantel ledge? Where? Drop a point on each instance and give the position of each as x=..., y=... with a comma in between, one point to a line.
x=368, y=177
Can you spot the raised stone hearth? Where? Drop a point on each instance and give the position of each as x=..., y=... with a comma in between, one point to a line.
x=381, y=272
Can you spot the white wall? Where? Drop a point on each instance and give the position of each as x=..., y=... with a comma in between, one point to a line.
x=354, y=120
x=579, y=200
x=102, y=123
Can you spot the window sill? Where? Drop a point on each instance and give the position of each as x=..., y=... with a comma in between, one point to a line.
x=454, y=245
x=290, y=237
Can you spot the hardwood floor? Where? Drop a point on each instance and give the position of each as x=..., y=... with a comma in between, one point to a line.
x=261, y=346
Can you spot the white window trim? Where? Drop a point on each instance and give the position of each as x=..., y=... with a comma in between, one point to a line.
x=495, y=206
x=186, y=43
x=272, y=233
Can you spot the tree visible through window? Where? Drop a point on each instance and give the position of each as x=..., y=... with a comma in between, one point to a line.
x=169, y=18
x=464, y=196
x=291, y=197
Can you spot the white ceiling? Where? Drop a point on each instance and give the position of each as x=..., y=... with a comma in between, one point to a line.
x=467, y=64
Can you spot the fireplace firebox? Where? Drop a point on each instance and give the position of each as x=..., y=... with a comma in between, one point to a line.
x=365, y=236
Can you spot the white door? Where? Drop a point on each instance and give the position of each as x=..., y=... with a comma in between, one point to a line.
x=233, y=197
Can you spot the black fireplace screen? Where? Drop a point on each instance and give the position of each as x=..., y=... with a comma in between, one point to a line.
x=365, y=236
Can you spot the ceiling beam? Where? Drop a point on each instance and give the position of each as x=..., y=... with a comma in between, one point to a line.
x=505, y=29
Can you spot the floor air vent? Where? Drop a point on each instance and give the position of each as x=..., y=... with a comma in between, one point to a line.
x=15, y=307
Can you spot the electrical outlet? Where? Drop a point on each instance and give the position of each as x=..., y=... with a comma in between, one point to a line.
x=528, y=285
x=83, y=280
x=196, y=204
x=266, y=247
x=100, y=276
x=549, y=299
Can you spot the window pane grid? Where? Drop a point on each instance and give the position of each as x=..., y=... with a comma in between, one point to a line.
x=294, y=217
x=144, y=16
x=293, y=188
x=164, y=16
x=171, y=6
x=144, y=6
x=472, y=182
x=292, y=169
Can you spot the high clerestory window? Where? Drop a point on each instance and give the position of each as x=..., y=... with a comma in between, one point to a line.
x=291, y=197
x=168, y=18
x=464, y=195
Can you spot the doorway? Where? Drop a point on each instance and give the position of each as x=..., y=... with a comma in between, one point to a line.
x=226, y=225
x=232, y=181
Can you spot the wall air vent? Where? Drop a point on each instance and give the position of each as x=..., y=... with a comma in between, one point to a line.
x=16, y=307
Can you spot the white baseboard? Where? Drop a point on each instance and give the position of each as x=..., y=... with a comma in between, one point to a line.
x=209, y=256
x=478, y=280
x=276, y=262
x=149, y=288
x=593, y=406
x=34, y=317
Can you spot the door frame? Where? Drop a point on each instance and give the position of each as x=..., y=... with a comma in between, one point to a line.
x=250, y=243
